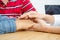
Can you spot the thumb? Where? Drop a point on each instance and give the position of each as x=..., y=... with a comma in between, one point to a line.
x=42, y=22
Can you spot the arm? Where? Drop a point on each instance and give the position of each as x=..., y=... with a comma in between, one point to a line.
x=52, y=29
x=7, y=25
x=42, y=26
x=54, y=20
x=12, y=25
x=51, y=19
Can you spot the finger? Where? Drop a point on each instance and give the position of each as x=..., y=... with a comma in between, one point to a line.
x=39, y=25
x=42, y=22
x=33, y=16
x=36, y=15
x=37, y=20
x=24, y=16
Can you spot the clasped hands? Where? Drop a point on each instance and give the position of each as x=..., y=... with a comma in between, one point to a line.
x=34, y=21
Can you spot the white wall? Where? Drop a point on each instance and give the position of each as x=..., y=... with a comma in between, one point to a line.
x=52, y=2
x=40, y=4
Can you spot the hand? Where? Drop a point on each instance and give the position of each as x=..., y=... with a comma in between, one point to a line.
x=31, y=14
x=23, y=24
x=40, y=25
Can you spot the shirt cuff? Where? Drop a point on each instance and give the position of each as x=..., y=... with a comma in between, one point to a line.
x=57, y=20
x=7, y=24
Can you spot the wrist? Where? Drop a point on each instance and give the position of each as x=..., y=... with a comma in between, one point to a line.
x=49, y=19
x=17, y=25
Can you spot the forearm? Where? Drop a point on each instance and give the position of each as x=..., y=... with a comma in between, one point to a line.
x=55, y=21
x=49, y=18
x=51, y=29
x=18, y=27
x=42, y=26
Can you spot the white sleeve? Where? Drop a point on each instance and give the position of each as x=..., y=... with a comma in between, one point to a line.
x=57, y=20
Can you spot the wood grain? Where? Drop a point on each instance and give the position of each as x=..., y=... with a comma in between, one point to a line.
x=30, y=35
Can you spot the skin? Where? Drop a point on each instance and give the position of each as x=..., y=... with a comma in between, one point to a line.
x=41, y=20
x=5, y=1
x=23, y=24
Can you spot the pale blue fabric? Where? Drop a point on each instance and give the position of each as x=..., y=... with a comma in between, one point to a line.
x=7, y=24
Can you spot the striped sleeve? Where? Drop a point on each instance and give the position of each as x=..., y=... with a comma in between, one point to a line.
x=27, y=6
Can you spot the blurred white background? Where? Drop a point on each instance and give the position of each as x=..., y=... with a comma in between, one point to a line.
x=40, y=4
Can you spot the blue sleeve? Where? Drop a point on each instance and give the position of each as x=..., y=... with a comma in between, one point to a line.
x=7, y=24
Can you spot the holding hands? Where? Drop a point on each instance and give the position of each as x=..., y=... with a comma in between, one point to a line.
x=40, y=20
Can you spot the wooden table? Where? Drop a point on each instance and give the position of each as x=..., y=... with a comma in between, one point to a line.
x=29, y=35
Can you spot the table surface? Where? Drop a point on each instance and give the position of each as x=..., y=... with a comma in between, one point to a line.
x=29, y=35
